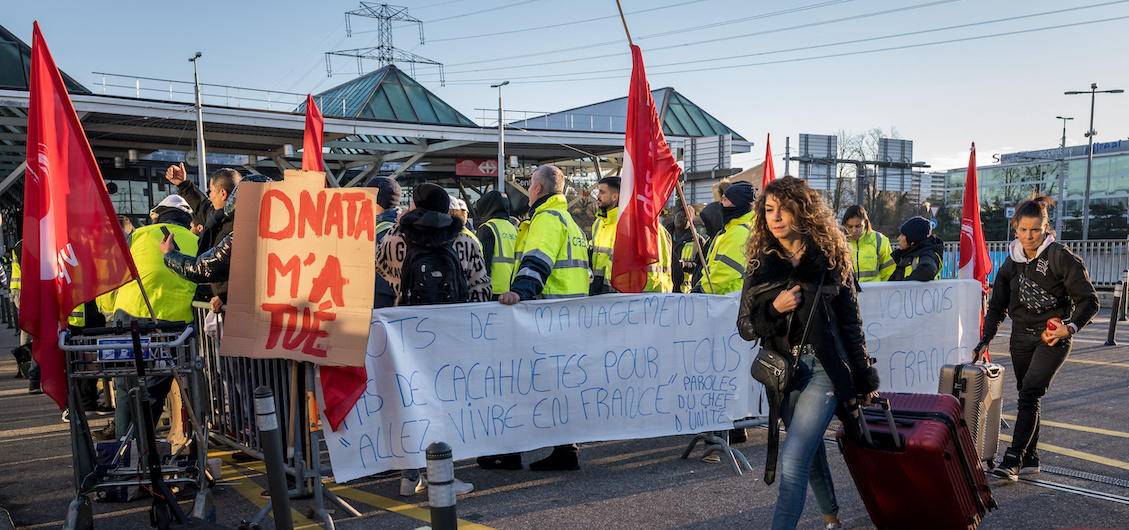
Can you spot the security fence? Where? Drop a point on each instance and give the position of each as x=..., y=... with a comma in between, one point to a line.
x=1105, y=259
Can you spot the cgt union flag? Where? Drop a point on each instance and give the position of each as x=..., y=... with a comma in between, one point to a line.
x=974, y=260
x=648, y=177
x=74, y=248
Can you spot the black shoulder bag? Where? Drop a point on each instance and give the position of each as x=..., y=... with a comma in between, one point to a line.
x=775, y=370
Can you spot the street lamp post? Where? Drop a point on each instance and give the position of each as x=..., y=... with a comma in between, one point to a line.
x=201, y=163
x=1090, y=154
x=501, y=140
x=1061, y=176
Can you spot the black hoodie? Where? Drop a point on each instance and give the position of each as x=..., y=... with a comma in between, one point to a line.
x=492, y=205
x=929, y=250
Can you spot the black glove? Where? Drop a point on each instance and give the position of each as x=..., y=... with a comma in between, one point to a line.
x=978, y=351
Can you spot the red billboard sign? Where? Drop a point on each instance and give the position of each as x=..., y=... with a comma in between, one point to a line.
x=476, y=167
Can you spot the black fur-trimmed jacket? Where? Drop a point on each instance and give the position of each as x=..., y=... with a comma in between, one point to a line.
x=757, y=317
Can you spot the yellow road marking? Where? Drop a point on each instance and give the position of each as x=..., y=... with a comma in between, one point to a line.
x=385, y=503
x=1094, y=430
x=1083, y=361
x=249, y=489
x=1076, y=454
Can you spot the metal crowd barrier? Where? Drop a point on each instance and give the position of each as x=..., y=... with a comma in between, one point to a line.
x=232, y=382
x=1105, y=259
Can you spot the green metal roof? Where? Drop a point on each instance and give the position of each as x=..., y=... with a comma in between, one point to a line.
x=15, y=65
x=679, y=115
x=387, y=94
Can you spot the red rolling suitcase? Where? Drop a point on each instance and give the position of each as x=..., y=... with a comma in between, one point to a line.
x=920, y=470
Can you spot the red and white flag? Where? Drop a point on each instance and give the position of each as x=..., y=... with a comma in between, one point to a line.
x=74, y=248
x=649, y=175
x=312, y=140
x=974, y=260
x=769, y=170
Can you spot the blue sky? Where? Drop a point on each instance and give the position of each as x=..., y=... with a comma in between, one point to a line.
x=942, y=72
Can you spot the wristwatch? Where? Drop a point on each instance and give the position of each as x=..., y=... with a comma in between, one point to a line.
x=1071, y=326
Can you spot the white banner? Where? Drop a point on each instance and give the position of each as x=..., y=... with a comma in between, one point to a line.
x=490, y=379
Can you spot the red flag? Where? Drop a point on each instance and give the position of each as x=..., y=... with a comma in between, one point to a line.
x=341, y=387
x=311, y=143
x=648, y=177
x=74, y=248
x=974, y=260
x=769, y=171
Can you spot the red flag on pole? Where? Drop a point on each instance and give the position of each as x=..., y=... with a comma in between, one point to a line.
x=769, y=170
x=312, y=141
x=648, y=177
x=74, y=248
x=974, y=260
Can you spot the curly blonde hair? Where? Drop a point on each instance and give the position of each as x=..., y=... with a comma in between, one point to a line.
x=810, y=217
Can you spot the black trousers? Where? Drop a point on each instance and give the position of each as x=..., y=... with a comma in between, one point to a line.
x=1036, y=364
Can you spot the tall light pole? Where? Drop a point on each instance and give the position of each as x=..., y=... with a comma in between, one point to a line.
x=201, y=159
x=501, y=140
x=1061, y=176
x=1090, y=154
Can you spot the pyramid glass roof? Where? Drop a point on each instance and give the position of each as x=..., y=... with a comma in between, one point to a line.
x=679, y=116
x=15, y=65
x=387, y=94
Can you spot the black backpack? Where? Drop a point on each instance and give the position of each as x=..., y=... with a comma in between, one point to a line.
x=432, y=275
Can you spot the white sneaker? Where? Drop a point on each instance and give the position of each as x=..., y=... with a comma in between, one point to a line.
x=461, y=488
x=409, y=487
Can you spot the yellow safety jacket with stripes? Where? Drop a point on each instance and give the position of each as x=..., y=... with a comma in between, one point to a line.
x=15, y=282
x=603, y=248
x=660, y=277
x=726, y=258
x=502, y=262
x=690, y=254
x=553, y=238
x=603, y=245
x=871, y=254
x=170, y=294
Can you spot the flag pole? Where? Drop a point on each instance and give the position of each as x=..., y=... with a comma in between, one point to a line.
x=145, y=296
x=697, y=243
x=624, y=19
x=678, y=185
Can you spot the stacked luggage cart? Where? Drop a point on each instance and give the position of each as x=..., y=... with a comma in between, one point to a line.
x=169, y=350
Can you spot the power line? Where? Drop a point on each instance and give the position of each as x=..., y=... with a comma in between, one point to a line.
x=828, y=56
x=562, y=24
x=805, y=48
x=469, y=14
x=621, y=41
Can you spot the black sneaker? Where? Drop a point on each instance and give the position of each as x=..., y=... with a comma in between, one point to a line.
x=1009, y=468
x=557, y=461
x=1029, y=465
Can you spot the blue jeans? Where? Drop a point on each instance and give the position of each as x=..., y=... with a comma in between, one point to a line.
x=806, y=412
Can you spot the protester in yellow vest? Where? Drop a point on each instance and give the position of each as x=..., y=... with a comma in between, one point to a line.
x=869, y=248
x=498, y=238
x=603, y=235
x=725, y=259
x=603, y=245
x=169, y=294
x=552, y=257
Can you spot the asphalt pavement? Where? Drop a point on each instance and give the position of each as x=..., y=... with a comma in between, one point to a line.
x=626, y=484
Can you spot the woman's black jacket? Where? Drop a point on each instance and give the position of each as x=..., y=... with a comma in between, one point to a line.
x=768, y=275
x=1056, y=269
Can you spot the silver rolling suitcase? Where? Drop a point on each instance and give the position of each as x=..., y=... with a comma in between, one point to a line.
x=980, y=388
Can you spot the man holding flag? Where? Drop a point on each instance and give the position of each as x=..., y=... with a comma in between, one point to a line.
x=74, y=249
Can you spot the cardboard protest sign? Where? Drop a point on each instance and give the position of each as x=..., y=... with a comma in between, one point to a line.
x=302, y=274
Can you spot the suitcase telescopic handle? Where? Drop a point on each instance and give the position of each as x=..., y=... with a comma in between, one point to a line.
x=885, y=405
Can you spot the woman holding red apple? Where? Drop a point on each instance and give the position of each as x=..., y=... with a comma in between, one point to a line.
x=1047, y=292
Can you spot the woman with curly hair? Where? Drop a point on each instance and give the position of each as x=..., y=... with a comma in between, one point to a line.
x=800, y=267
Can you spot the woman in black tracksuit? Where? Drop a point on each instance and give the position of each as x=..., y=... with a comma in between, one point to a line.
x=1040, y=280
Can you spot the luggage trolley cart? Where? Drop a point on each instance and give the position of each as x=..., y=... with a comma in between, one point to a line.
x=167, y=350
